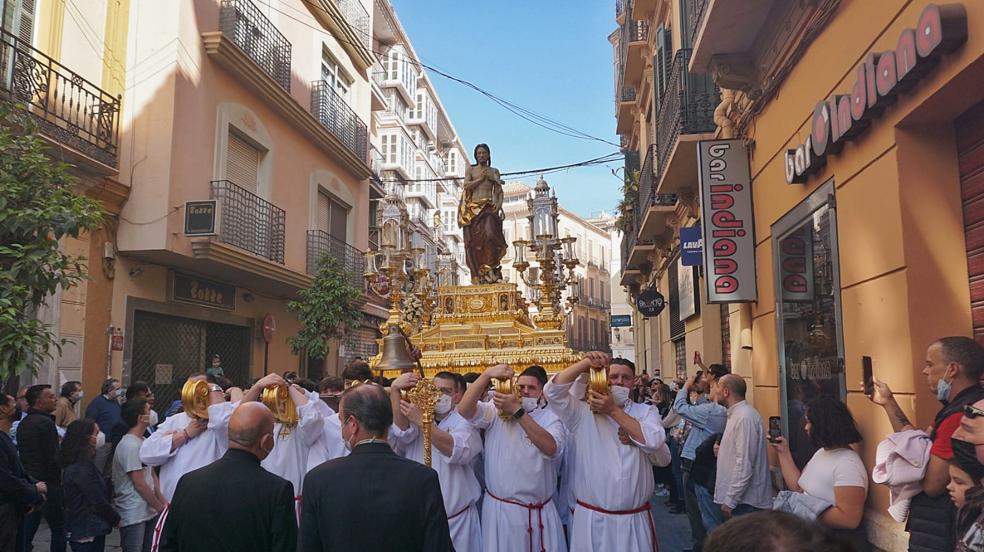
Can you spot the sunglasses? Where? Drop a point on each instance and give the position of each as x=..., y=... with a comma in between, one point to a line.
x=972, y=411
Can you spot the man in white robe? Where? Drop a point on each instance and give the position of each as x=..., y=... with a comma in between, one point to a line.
x=184, y=443
x=454, y=445
x=292, y=445
x=329, y=444
x=613, y=481
x=522, y=455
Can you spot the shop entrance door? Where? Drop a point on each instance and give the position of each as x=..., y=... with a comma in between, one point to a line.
x=167, y=349
x=808, y=313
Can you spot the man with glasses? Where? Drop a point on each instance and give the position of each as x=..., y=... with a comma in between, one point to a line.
x=455, y=444
x=953, y=370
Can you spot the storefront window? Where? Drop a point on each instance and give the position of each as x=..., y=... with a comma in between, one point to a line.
x=809, y=321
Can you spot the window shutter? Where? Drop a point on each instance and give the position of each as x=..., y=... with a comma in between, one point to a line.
x=661, y=62
x=18, y=19
x=242, y=163
x=324, y=212
x=339, y=222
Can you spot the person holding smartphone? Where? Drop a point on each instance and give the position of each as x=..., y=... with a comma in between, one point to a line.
x=836, y=473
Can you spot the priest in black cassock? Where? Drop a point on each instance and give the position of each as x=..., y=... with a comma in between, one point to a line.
x=372, y=499
x=233, y=504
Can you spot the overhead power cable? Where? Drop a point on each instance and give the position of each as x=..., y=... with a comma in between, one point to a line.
x=526, y=114
x=545, y=170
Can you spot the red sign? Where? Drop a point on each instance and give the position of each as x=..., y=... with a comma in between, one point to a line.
x=269, y=326
x=116, y=340
x=880, y=77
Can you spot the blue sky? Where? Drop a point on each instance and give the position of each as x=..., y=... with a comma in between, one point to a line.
x=550, y=57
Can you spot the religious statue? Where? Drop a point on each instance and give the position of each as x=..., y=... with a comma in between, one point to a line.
x=480, y=216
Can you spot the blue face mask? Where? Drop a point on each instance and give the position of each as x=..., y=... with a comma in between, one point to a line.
x=943, y=390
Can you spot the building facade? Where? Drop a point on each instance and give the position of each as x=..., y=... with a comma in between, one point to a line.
x=622, y=337
x=587, y=321
x=420, y=155
x=864, y=134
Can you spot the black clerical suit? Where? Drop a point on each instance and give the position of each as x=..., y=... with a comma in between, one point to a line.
x=373, y=500
x=231, y=505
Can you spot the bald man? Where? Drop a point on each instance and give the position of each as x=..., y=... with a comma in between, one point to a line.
x=234, y=504
x=743, y=484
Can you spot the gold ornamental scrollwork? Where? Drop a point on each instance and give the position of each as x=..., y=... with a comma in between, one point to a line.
x=424, y=396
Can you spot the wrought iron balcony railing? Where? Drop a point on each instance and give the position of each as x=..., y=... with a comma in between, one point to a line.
x=619, y=8
x=647, y=186
x=687, y=108
x=376, y=164
x=628, y=94
x=357, y=17
x=250, y=222
x=258, y=38
x=69, y=109
x=695, y=15
x=350, y=259
x=339, y=118
x=638, y=31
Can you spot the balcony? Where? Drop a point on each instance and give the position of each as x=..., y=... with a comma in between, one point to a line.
x=270, y=83
x=635, y=36
x=720, y=27
x=349, y=21
x=596, y=303
x=73, y=114
x=623, y=117
x=329, y=108
x=685, y=116
x=350, y=259
x=620, y=10
x=249, y=222
x=258, y=38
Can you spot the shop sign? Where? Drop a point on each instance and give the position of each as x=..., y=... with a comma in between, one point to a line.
x=650, y=303
x=200, y=218
x=116, y=340
x=796, y=265
x=879, y=78
x=726, y=218
x=691, y=245
x=621, y=321
x=192, y=289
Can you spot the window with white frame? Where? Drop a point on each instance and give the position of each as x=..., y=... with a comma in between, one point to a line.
x=334, y=76
x=453, y=162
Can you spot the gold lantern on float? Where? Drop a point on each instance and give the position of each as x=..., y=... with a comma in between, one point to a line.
x=277, y=399
x=194, y=398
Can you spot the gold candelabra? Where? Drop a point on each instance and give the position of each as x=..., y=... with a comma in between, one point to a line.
x=554, y=255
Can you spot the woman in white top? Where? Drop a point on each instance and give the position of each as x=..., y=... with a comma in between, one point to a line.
x=835, y=473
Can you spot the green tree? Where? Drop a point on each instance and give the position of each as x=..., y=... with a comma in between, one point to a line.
x=327, y=310
x=39, y=205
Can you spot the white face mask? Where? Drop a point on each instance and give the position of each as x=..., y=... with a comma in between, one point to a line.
x=443, y=405
x=620, y=395
x=100, y=439
x=153, y=418
x=530, y=404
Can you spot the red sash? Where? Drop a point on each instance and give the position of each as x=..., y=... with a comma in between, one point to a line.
x=529, y=516
x=465, y=509
x=644, y=508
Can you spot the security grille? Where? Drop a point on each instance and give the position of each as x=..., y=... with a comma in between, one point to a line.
x=725, y=336
x=680, y=357
x=164, y=344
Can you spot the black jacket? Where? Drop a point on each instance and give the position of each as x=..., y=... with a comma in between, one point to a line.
x=37, y=441
x=231, y=505
x=88, y=512
x=931, y=519
x=373, y=500
x=16, y=486
x=704, y=469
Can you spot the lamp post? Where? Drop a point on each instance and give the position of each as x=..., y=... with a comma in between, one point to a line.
x=553, y=254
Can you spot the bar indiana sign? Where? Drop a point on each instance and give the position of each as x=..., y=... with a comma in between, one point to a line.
x=940, y=30
x=726, y=218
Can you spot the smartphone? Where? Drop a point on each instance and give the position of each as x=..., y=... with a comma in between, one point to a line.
x=775, y=428
x=869, y=385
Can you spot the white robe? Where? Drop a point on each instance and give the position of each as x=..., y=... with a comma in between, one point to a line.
x=609, y=475
x=329, y=444
x=565, y=491
x=458, y=482
x=291, y=450
x=517, y=471
x=201, y=451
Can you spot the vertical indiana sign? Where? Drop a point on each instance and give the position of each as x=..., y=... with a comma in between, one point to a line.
x=729, y=230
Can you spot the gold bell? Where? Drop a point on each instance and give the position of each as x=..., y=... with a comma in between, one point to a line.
x=599, y=381
x=395, y=356
x=194, y=398
x=506, y=386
